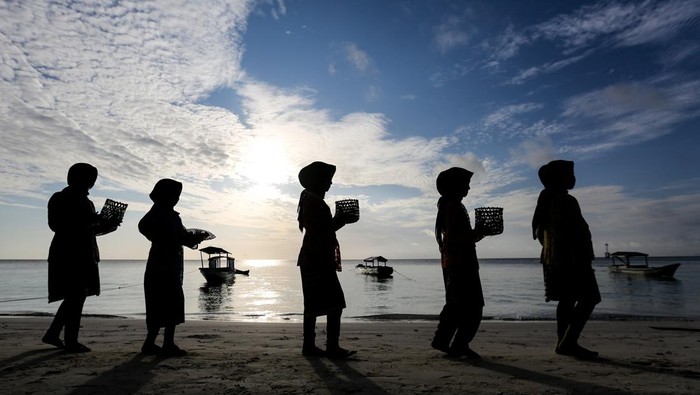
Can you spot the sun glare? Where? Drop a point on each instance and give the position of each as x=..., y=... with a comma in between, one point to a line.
x=265, y=163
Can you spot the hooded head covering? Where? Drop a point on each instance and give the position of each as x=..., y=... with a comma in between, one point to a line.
x=166, y=192
x=82, y=175
x=557, y=174
x=557, y=177
x=451, y=181
x=316, y=175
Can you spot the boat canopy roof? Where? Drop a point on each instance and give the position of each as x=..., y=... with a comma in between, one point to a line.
x=628, y=254
x=378, y=258
x=213, y=250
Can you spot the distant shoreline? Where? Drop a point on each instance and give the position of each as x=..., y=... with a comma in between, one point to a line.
x=651, y=257
x=398, y=317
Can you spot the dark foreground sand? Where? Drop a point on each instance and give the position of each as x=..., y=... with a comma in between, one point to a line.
x=393, y=357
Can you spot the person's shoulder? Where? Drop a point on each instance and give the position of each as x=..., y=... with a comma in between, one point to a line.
x=59, y=196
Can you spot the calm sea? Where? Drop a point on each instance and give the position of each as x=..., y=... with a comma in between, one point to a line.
x=513, y=290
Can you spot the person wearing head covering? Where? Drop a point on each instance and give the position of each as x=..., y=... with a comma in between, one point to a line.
x=73, y=255
x=464, y=301
x=165, y=300
x=319, y=259
x=567, y=255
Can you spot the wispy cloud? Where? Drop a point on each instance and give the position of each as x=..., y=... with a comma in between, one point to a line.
x=450, y=34
x=590, y=27
x=357, y=57
x=454, y=72
x=546, y=68
x=507, y=122
x=629, y=113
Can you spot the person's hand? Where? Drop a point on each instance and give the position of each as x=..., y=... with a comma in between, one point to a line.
x=111, y=221
x=346, y=218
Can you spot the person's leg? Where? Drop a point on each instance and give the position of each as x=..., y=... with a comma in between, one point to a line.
x=565, y=311
x=309, y=348
x=468, y=328
x=149, y=345
x=333, y=349
x=53, y=334
x=569, y=344
x=447, y=324
x=73, y=315
x=170, y=349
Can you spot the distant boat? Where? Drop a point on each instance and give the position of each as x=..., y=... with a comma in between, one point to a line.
x=376, y=266
x=220, y=266
x=630, y=262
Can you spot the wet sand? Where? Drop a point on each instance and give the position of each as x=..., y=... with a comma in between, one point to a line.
x=637, y=357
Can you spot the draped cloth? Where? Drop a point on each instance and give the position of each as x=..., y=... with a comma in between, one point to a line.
x=162, y=226
x=567, y=247
x=319, y=257
x=73, y=254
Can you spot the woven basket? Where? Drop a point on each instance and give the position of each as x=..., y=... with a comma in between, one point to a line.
x=112, y=211
x=489, y=220
x=350, y=208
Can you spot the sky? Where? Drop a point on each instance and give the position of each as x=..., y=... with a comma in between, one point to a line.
x=232, y=98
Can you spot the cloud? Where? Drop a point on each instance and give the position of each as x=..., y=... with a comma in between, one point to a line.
x=450, y=34
x=506, y=123
x=593, y=27
x=546, y=68
x=357, y=57
x=452, y=73
x=534, y=152
x=280, y=10
x=629, y=113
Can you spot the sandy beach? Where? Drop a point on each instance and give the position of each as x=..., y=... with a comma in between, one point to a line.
x=650, y=357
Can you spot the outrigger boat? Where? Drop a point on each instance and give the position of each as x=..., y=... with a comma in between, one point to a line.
x=376, y=266
x=217, y=272
x=630, y=262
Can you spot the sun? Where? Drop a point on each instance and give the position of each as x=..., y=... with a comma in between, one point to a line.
x=265, y=163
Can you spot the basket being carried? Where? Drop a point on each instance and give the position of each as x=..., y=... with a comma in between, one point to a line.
x=489, y=220
x=112, y=213
x=349, y=208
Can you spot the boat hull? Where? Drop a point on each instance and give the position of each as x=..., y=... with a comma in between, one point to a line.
x=661, y=271
x=217, y=276
x=379, y=271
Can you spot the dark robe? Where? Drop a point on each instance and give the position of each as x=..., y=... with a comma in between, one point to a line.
x=464, y=299
x=319, y=257
x=73, y=254
x=567, y=248
x=165, y=300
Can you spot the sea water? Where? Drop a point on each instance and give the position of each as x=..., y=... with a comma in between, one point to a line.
x=513, y=290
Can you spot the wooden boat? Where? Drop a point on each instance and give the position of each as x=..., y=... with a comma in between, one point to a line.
x=220, y=266
x=376, y=266
x=630, y=262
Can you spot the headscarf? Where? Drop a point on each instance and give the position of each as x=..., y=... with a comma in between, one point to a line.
x=166, y=192
x=556, y=177
x=82, y=175
x=313, y=177
x=556, y=174
x=450, y=183
x=452, y=180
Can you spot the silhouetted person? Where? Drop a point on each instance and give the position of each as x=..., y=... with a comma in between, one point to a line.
x=567, y=254
x=319, y=259
x=464, y=301
x=165, y=300
x=73, y=255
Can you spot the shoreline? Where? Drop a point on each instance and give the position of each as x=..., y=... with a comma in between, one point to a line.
x=393, y=357
x=390, y=317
